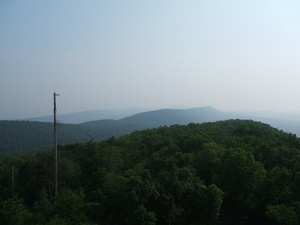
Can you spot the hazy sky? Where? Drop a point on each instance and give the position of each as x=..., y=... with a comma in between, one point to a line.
x=106, y=54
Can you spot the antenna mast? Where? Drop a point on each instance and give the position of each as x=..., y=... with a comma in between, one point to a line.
x=13, y=181
x=55, y=149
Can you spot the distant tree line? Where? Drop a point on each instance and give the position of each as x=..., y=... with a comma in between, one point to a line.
x=27, y=137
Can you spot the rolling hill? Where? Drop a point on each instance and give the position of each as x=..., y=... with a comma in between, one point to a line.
x=18, y=136
x=163, y=117
x=85, y=116
x=225, y=172
x=26, y=136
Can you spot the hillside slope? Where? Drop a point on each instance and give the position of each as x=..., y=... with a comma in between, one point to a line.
x=20, y=136
x=164, y=117
x=167, y=117
x=226, y=172
x=85, y=116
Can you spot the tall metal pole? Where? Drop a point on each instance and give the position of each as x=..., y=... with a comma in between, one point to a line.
x=13, y=181
x=55, y=149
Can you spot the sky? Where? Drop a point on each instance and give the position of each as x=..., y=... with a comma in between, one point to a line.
x=232, y=55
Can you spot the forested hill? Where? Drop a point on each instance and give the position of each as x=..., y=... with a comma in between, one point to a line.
x=165, y=117
x=227, y=172
x=27, y=136
x=19, y=137
x=85, y=116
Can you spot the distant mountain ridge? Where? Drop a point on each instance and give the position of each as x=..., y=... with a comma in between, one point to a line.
x=167, y=117
x=26, y=135
x=85, y=116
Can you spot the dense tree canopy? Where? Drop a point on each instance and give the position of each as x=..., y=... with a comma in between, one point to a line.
x=212, y=173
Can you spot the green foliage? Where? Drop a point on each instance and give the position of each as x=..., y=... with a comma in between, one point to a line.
x=280, y=180
x=43, y=209
x=14, y=212
x=56, y=220
x=213, y=173
x=282, y=215
x=213, y=200
x=241, y=178
x=70, y=207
